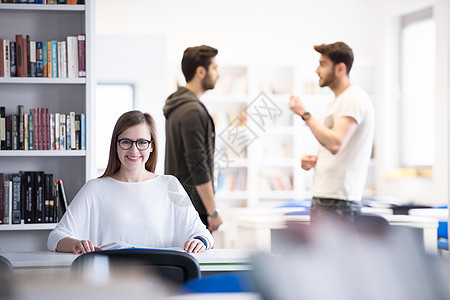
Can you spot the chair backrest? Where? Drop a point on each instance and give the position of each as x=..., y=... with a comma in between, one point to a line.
x=173, y=266
x=5, y=266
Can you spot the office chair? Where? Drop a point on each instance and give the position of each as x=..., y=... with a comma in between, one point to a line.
x=5, y=266
x=175, y=267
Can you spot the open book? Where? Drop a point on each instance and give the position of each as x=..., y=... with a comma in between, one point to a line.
x=117, y=245
x=123, y=245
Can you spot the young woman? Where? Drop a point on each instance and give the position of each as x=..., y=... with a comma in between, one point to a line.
x=129, y=203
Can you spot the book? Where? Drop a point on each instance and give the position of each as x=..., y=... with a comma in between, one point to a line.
x=117, y=245
x=2, y=128
x=6, y=58
x=52, y=131
x=81, y=55
x=26, y=143
x=8, y=132
x=29, y=208
x=68, y=131
x=54, y=58
x=72, y=56
x=30, y=131
x=2, y=198
x=25, y=51
x=57, y=131
x=19, y=53
x=20, y=140
x=12, y=51
x=8, y=202
x=72, y=131
x=38, y=205
x=48, y=198
x=49, y=59
x=32, y=62
x=77, y=132
x=16, y=198
x=44, y=59
x=83, y=131
x=63, y=198
x=14, y=132
x=2, y=60
x=62, y=132
x=39, y=59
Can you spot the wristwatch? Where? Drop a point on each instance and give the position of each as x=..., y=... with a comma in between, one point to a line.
x=306, y=116
x=213, y=214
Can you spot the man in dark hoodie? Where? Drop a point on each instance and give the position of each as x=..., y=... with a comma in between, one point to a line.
x=190, y=133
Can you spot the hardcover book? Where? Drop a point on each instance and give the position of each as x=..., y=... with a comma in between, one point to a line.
x=16, y=198
x=29, y=197
x=39, y=197
x=81, y=55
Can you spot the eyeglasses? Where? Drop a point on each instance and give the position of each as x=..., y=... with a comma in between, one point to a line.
x=126, y=144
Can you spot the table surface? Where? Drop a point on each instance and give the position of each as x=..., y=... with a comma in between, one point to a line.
x=49, y=259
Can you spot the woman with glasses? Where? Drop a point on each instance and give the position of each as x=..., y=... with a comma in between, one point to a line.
x=129, y=204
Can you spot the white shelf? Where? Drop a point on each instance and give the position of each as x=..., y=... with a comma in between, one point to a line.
x=42, y=80
x=272, y=195
x=34, y=153
x=42, y=7
x=20, y=227
x=231, y=195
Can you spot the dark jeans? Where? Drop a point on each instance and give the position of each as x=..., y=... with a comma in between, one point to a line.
x=341, y=210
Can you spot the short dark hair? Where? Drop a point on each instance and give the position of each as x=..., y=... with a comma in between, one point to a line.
x=127, y=120
x=194, y=57
x=338, y=52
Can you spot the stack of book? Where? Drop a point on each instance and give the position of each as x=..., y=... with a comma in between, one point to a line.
x=31, y=197
x=44, y=1
x=41, y=130
x=53, y=59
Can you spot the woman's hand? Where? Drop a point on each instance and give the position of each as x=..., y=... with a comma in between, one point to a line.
x=83, y=246
x=194, y=246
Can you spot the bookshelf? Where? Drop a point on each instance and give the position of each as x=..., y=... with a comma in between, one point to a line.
x=75, y=167
x=267, y=171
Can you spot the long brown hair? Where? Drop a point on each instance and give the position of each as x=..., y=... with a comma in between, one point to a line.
x=127, y=120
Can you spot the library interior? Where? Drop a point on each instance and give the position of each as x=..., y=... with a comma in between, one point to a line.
x=69, y=69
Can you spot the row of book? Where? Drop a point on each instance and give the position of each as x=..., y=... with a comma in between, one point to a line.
x=44, y=1
x=31, y=197
x=53, y=59
x=275, y=180
x=232, y=180
x=41, y=130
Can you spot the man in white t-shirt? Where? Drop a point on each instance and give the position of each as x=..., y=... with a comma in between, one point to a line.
x=345, y=137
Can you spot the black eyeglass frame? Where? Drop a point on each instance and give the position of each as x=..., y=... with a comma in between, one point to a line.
x=134, y=142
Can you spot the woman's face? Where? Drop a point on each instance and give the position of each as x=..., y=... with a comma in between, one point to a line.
x=134, y=158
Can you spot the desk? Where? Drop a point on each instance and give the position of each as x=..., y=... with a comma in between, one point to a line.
x=440, y=213
x=255, y=231
x=214, y=260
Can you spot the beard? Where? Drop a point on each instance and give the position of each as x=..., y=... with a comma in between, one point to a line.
x=208, y=83
x=327, y=80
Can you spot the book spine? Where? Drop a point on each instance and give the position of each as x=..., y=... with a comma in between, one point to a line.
x=30, y=131
x=12, y=51
x=64, y=59
x=72, y=56
x=2, y=198
x=57, y=131
x=44, y=59
x=20, y=145
x=62, y=133
x=8, y=202
x=19, y=53
x=48, y=203
x=6, y=58
x=26, y=140
x=54, y=57
x=68, y=131
x=29, y=196
x=39, y=190
x=15, y=133
x=45, y=137
x=39, y=60
x=25, y=56
x=83, y=131
x=49, y=59
x=2, y=128
x=52, y=132
x=78, y=132
x=81, y=55
x=72, y=131
x=8, y=132
x=63, y=197
x=59, y=55
x=32, y=63
x=16, y=199
x=2, y=59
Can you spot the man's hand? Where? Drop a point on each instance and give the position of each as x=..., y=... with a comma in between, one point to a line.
x=194, y=246
x=308, y=162
x=83, y=246
x=296, y=105
x=214, y=223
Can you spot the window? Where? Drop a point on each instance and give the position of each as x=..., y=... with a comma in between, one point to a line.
x=418, y=57
x=112, y=101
